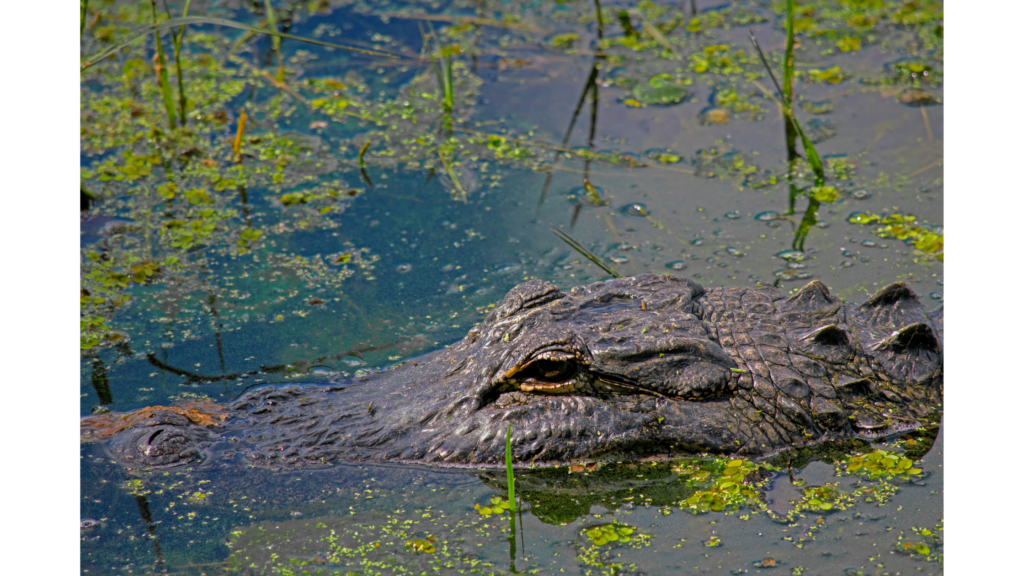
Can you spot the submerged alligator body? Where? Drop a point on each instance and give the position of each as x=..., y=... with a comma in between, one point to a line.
x=623, y=369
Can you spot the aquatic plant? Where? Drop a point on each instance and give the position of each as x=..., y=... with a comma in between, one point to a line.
x=508, y=470
x=793, y=126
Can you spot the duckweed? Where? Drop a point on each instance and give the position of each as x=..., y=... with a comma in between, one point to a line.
x=902, y=227
x=833, y=75
x=881, y=464
x=607, y=533
x=497, y=506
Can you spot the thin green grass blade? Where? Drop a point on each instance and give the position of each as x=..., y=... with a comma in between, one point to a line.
x=176, y=40
x=449, y=85
x=787, y=82
x=276, y=40
x=508, y=471
x=184, y=21
x=161, y=73
x=85, y=11
x=586, y=253
x=804, y=228
x=812, y=154
x=273, y=25
x=600, y=20
x=362, y=163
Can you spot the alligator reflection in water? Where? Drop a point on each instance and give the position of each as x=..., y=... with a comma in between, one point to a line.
x=672, y=368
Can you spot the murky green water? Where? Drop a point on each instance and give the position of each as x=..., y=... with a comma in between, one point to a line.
x=204, y=275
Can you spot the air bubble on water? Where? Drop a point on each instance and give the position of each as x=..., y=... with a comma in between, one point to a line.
x=869, y=243
x=618, y=259
x=697, y=241
x=635, y=209
x=822, y=224
x=935, y=296
x=734, y=251
x=791, y=255
x=767, y=216
x=732, y=215
x=403, y=268
x=89, y=523
x=847, y=253
x=863, y=258
x=353, y=362
x=676, y=265
x=846, y=264
x=722, y=264
x=860, y=194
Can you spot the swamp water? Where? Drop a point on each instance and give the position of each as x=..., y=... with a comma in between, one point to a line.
x=216, y=258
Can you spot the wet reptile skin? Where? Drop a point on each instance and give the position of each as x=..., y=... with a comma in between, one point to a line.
x=616, y=370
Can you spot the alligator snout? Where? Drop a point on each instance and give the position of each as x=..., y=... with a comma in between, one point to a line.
x=164, y=438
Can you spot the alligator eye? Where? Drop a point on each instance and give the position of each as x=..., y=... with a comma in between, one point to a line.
x=550, y=370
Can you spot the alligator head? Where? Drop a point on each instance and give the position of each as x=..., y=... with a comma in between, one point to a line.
x=622, y=369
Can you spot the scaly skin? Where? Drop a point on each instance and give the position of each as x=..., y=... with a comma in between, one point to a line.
x=628, y=368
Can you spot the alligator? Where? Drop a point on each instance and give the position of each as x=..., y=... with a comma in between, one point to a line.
x=650, y=366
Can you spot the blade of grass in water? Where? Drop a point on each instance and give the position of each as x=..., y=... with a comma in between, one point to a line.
x=787, y=83
x=167, y=24
x=176, y=41
x=161, y=73
x=362, y=163
x=85, y=10
x=443, y=72
x=812, y=154
x=586, y=253
x=508, y=470
x=276, y=40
